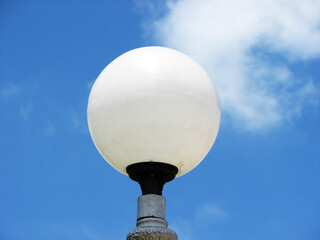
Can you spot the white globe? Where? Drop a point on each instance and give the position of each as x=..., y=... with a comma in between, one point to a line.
x=153, y=104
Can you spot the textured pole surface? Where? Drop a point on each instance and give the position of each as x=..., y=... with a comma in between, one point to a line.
x=151, y=222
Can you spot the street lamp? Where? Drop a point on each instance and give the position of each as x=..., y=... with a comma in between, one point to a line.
x=153, y=114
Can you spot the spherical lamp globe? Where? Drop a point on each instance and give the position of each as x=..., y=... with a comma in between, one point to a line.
x=153, y=104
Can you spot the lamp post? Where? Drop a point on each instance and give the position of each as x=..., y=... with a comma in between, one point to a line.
x=153, y=114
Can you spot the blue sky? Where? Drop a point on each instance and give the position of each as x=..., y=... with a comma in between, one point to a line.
x=260, y=180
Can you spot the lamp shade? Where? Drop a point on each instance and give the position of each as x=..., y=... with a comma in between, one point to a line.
x=153, y=104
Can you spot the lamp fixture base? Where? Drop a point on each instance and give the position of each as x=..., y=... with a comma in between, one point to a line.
x=152, y=175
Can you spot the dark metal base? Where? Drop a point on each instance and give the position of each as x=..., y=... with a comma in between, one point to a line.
x=152, y=175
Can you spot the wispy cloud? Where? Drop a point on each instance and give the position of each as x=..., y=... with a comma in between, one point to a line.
x=10, y=90
x=90, y=84
x=209, y=213
x=91, y=233
x=77, y=122
x=183, y=228
x=205, y=216
x=248, y=48
x=50, y=130
x=25, y=111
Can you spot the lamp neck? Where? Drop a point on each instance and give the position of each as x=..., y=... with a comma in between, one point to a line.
x=151, y=222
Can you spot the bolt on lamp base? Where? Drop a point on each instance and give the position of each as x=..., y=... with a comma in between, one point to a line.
x=151, y=223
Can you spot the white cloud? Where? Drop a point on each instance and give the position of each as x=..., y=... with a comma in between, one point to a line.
x=247, y=47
